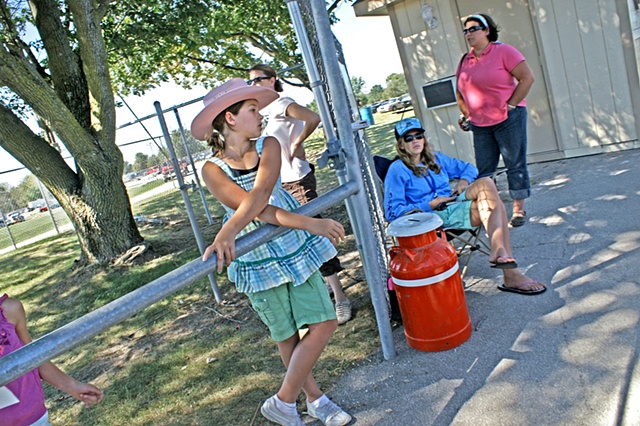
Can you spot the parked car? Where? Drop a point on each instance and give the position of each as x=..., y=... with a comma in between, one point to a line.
x=405, y=101
x=168, y=173
x=378, y=107
x=14, y=218
x=401, y=102
x=386, y=107
x=374, y=106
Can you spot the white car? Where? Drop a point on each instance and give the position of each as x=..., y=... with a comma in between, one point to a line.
x=386, y=107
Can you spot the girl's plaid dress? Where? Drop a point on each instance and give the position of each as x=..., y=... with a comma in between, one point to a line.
x=289, y=258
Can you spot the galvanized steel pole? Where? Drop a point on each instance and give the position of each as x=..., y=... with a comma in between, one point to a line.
x=185, y=196
x=362, y=223
x=193, y=166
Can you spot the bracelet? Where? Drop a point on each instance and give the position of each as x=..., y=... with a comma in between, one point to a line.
x=511, y=107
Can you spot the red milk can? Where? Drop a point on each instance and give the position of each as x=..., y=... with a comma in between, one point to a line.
x=424, y=270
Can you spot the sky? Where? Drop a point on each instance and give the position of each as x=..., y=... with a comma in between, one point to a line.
x=360, y=37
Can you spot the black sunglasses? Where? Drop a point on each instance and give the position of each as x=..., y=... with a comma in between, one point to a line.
x=409, y=138
x=257, y=79
x=472, y=29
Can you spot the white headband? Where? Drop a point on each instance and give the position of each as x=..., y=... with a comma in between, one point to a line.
x=479, y=18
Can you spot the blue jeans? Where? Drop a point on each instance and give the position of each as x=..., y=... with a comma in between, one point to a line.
x=508, y=138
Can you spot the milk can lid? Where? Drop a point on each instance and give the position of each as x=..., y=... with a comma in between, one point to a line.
x=414, y=224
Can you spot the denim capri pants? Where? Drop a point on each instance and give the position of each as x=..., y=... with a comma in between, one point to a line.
x=508, y=138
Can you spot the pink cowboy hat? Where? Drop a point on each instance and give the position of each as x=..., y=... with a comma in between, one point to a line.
x=222, y=97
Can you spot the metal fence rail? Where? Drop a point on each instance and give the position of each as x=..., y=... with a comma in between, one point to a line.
x=73, y=334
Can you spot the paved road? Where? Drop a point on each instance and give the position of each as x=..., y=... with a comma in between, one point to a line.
x=566, y=357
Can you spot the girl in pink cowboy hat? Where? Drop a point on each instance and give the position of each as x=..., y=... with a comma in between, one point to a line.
x=280, y=277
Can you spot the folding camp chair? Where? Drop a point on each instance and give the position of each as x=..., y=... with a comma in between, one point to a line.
x=465, y=241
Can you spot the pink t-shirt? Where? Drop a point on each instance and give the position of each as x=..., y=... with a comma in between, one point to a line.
x=27, y=388
x=487, y=84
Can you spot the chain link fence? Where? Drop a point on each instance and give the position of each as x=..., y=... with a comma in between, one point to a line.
x=30, y=213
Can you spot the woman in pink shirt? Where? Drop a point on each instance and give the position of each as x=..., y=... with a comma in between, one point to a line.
x=493, y=80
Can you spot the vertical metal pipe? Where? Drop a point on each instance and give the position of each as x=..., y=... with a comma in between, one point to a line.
x=6, y=225
x=362, y=223
x=46, y=203
x=193, y=166
x=185, y=196
x=312, y=70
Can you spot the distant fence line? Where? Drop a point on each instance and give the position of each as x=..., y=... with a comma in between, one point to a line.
x=22, y=225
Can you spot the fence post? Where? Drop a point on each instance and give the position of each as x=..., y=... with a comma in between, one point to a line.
x=185, y=196
x=193, y=166
x=350, y=171
x=46, y=203
x=6, y=225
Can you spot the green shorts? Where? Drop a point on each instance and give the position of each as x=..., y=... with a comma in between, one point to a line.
x=458, y=214
x=285, y=309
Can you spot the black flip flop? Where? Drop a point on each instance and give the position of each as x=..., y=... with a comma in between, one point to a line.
x=520, y=290
x=511, y=264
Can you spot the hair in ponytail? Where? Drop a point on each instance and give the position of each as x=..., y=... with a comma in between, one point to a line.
x=216, y=140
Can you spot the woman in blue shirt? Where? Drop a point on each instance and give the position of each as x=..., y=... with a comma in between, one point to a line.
x=419, y=181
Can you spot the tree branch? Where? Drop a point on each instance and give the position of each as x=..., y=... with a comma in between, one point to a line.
x=209, y=61
x=20, y=77
x=96, y=69
x=64, y=64
x=33, y=151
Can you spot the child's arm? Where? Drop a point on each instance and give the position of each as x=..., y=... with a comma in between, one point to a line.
x=229, y=193
x=85, y=392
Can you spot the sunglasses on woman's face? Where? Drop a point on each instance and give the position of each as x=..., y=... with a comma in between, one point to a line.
x=409, y=138
x=256, y=80
x=472, y=29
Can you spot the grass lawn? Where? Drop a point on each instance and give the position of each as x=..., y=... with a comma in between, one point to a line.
x=186, y=360
x=36, y=224
x=137, y=190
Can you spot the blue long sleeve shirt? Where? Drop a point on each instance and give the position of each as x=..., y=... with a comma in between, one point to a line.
x=405, y=192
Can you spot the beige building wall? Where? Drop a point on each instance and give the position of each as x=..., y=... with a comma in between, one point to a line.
x=586, y=98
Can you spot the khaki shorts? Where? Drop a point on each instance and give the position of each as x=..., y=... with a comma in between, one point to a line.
x=285, y=309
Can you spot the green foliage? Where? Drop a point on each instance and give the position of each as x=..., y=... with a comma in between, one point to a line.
x=141, y=162
x=27, y=190
x=313, y=106
x=195, y=146
x=357, y=84
x=396, y=85
x=17, y=197
x=376, y=93
x=200, y=42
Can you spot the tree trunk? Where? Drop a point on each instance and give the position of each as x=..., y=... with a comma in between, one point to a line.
x=76, y=102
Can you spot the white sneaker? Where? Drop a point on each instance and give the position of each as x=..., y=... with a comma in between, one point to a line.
x=271, y=411
x=329, y=414
x=343, y=311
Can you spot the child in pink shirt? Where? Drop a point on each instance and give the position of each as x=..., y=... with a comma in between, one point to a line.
x=30, y=409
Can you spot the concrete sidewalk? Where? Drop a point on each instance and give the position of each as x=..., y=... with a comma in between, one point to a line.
x=568, y=356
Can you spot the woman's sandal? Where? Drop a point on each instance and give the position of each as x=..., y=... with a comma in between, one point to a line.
x=518, y=219
x=502, y=262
